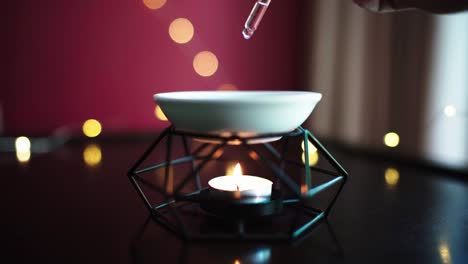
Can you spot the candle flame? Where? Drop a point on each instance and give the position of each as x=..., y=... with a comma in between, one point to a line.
x=237, y=170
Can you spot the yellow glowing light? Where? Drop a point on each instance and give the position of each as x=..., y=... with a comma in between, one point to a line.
x=392, y=176
x=444, y=252
x=313, y=158
x=92, y=155
x=450, y=111
x=22, y=144
x=181, y=30
x=154, y=4
x=310, y=146
x=227, y=87
x=230, y=168
x=235, y=142
x=234, y=169
x=205, y=63
x=23, y=156
x=92, y=128
x=237, y=261
x=159, y=113
x=23, y=149
x=304, y=188
x=237, y=170
x=391, y=139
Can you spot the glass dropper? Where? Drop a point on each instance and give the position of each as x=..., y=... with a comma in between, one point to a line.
x=256, y=15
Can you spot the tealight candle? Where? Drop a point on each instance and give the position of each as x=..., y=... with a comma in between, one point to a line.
x=245, y=188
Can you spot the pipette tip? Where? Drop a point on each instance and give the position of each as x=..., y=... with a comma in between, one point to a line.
x=247, y=33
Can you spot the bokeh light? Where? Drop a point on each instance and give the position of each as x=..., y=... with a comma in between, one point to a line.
x=205, y=63
x=310, y=146
x=154, y=4
x=23, y=156
x=450, y=110
x=92, y=128
x=227, y=87
x=391, y=139
x=23, y=149
x=92, y=155
x=313, y=158
x=392, y=176
x=159, y=113
x=444, y=252
x=22, y=144
x=181, y=30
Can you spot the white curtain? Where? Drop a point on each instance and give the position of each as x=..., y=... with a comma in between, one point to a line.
x=381, y=73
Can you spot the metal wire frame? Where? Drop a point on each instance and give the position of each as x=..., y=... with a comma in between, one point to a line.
x=176, y=200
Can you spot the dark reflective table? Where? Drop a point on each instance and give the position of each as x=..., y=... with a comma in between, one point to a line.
x=76, y=205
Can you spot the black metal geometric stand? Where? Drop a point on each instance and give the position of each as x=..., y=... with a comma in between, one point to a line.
x=189, y=215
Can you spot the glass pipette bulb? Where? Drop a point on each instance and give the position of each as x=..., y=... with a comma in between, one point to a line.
x=256, y=15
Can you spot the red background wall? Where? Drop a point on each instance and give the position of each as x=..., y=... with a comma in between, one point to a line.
x=66, y=61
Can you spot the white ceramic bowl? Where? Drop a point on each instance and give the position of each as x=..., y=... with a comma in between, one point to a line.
x=242, y=113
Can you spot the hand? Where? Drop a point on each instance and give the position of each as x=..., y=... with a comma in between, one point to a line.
x=433, y=6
